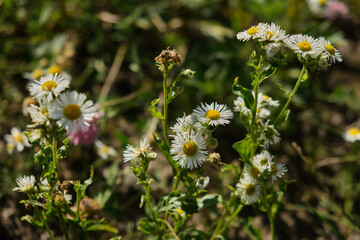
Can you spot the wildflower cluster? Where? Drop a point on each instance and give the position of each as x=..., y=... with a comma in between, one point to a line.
x=331, y=9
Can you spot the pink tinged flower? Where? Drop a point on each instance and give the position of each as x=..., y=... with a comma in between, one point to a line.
x=337, y=10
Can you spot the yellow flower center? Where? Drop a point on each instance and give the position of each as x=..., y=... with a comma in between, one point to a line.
x=104, y=149
x=269, y=35
x=330, y=49
x=250, y=189
x=48, y=85
x=18, y=137
x=37, y=73
x=264, y=162
x=254, y=171
x=212, y=114
x=266, y=97
x=274, y=169
x=180, y=211
x=269, y=134
x=190, y=148
x=322, y=2
x=252, y=31
x=55, y=69
x=72, y=111
x=354, y=131
x=304, y=46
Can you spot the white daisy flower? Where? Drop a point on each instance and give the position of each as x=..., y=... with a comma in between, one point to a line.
x=39, y=114
x=304, y=45
x=36, y=74
x=265, y=99
x=45, y=185
x=252, y=33
x=144, y=150
x=185, y=123
x=67, y=197
x=330, y=52
x=202, y=182
x=263, y=161
x=56, y=69
x=249, y=189
x=272, y=49
x=277, y=171
x=73, y=112
x=25, y=184
x=34, y=135
x=253, y=170
x=269, y=135
x=213, y=114
x=272, y=33
x=103, y=150
x=241, y=107
x=189, y=149
x=49, y=86
x=18, y=139
x=318, y=6
x=352, y=134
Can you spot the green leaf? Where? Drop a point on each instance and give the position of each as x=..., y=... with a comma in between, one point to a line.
x=166, y=151
x=253, y=61
x=189, y=205
x=66, y=141
x=305, y=76
x=207, y=200
x=251, y=230
x=244, y=148
x=193, y=233
x=177, y=86
x=153, y=110
x=102, y=227
x=245, y=93
x=147, y=226
x=266, y=72
x=233, y=167
x=30, y=219
x=32, y=202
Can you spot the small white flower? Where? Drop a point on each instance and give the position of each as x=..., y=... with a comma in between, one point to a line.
x=263, y=161
x=185, y=123
x=180, y=212
x=249, y=189
x=49, y=86
x=17, y=138
x=272, y=49
x=35, y=135
x=39, y=114
x=318, y=7
x=56, y=69
x=252, y=33
x=103, y=150
x=269, y=135
x=265, y=99
x=253, y=170
x=25, y=184
x=73, y=112
x=277, y=171
x=304, y=45
x=10, y=147
x=241, y=107
x=213, y=114
x=330, y=52
x=144, y=150
x=189, y=149
x=36, y=74
x=352, y=134
x=67, y=197
x=272, y=33
x=202, y=182
x=45, y=186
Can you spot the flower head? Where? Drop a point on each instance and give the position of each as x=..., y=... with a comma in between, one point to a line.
x=263, y=161
x=249, y=189
x=202, y=182
x=103, y=150
x=17, y=139
x=189, y=149
x=186, y=123
x=73, y=112
x=269, y=135
x=25, y=184
x=352, y=134
x=277, y=171
x=331, y=53
x=304, y=45
x=213, y=114
x=252, y=33
x=48, y=86
x=143, y=151
x=272, y=33
x=39, y=114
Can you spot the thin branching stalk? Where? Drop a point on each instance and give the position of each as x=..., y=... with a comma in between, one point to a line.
x=165, y=119
x=55, y=158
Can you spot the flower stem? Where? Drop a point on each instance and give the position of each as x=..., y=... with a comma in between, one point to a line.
x=165, y=119
x=49, y=231
x=55, y=158
x=272, y=225
x=63, y=224
x=297, y=85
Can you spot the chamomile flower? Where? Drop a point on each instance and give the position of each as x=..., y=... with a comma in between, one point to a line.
x=252, y=33
x=272, y=33
x=249, y=189
x=265, y=99
x=48, y=86
x=56, y=69
x=253, y=170
x=330, y=52
x=263, y=161
x=352, y=134
x=144, y=150
x=25, y=184
x=189, y=149
x=240, y=106
x=277, y=171
x=202, y=182
x=73, y=112
x=17, y=138
x=318, y=6
x=269, y=135
x=36, y=74
x=304, y=45
x=186, y=123
x=103, y=150
x=272, y=49
x=10, y=146
x=39, y=114
x=213, y=114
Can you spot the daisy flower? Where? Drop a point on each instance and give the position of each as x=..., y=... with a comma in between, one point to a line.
x=269, y=135
x=277, y=171
x=10, y=147
x=103, y=150
x=249, y=189
x=49, y=86
x=318, y=6
x=253, y=170
x=144, y=150
x=36, y=74
x=268, y=100
x=352, y=134
x=25, y=184
x=17, y=138
x=263, y=161
x=252, y=33
x=330, y=52
x=56, y=69
x=272, y=49
x=272, y=33
x=39, y=114
x=73, y=112
x=213, y=114
x=202, y=182
x=189, y=149
x=304, y=45
x=186, y=123
x=240, y=106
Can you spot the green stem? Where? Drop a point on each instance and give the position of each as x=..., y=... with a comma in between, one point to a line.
x=175, y=186
x=147, y=201
x=235, y=213
x=165, y=109
x=272, y=225
x=63, y=224
x=297, y=85
x=49, y=232
x=55, y=158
